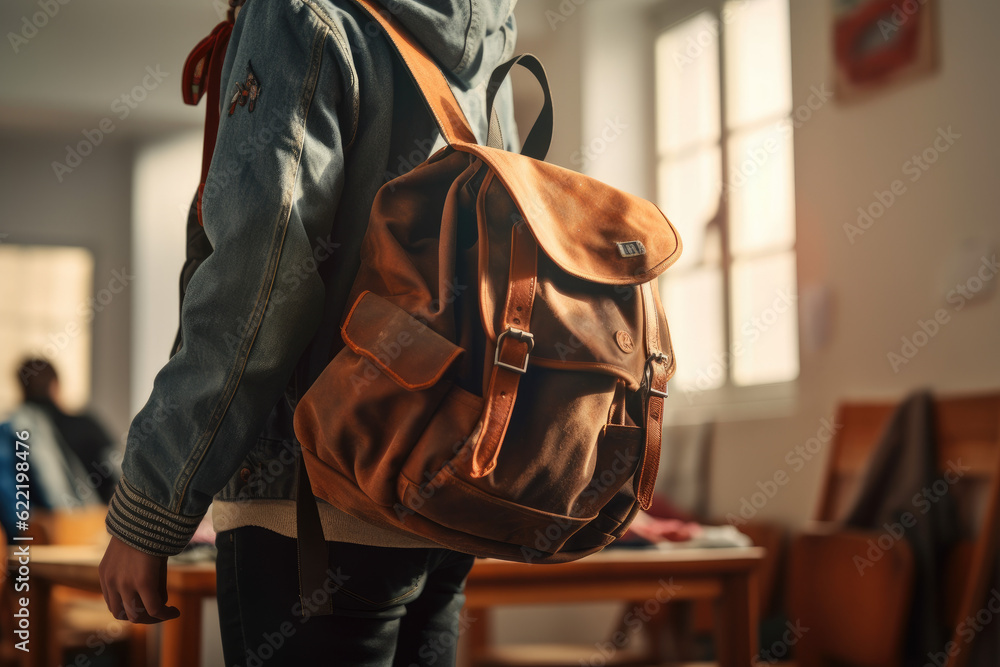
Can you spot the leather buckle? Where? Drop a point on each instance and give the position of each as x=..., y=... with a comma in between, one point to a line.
x=647, y=369
x=521, y=335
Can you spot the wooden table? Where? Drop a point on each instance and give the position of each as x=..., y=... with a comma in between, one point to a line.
x=650, y=577
x=76, y=566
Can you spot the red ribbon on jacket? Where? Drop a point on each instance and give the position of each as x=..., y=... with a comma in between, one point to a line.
x=203, y=72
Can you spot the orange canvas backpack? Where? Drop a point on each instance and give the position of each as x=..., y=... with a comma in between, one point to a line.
x=500, y=388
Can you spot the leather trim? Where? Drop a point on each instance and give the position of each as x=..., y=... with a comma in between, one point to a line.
x=402, y=347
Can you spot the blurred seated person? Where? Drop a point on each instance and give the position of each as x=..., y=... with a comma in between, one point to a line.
x=72, y=461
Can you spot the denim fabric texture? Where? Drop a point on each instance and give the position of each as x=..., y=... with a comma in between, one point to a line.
x=285, y=207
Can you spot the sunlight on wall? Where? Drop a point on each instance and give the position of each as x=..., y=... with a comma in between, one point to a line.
x=165, y=178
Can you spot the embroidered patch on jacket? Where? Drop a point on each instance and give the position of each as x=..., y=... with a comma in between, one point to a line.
x=631, y=248
x=246, y=93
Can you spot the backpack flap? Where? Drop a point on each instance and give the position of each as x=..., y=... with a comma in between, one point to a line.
x=590, y=318
x=590, y=229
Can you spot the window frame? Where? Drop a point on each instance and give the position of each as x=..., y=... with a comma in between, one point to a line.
x=730, y=401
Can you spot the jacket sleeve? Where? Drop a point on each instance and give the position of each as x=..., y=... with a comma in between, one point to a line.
x=253, y=305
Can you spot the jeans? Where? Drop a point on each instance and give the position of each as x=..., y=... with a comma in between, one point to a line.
x=392, y=606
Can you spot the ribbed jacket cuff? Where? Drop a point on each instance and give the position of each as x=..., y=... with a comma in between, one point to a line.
x=144, y=525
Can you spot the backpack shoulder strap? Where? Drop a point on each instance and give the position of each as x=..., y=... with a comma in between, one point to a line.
x=426, y=75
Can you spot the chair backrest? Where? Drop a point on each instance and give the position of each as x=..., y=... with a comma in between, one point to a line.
x=81, y=525
x=685, y=467
x=968, y=440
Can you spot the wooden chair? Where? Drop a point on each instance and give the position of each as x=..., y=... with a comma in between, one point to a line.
x=861, y=620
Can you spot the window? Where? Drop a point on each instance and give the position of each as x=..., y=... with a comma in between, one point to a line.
x=46, y=307
x=725, y=180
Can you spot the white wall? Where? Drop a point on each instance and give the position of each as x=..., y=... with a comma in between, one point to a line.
x=166, y=176
x=89, y=208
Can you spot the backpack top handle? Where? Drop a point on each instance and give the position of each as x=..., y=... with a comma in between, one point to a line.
x=540, y=136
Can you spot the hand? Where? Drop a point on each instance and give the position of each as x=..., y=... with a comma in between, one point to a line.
x=135, y=584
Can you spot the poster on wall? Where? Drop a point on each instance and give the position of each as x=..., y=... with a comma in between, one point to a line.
x=881, y=43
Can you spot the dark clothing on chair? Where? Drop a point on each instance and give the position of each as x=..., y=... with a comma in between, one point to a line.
x=902, y=470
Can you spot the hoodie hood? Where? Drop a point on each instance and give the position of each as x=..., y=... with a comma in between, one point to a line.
x=468, y=38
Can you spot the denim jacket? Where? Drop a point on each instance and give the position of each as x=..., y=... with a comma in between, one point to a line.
x=285, y=206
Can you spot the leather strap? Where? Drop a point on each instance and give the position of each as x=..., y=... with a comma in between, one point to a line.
x=655, y=379
x=512, y=349
x=540, y=136
x=311, y=546
x=426, y=75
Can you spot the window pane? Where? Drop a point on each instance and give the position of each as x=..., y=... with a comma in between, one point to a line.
x=693, y=304
x=689, y=196
x=44, y=311
x=760, y=190
x=765, y=320
x=758, y=71
x=687, y=84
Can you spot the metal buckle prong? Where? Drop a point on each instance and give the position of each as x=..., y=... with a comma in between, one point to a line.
x=522, y=335
x=647, y=375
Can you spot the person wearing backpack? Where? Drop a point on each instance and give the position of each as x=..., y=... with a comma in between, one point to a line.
x=316, y=113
